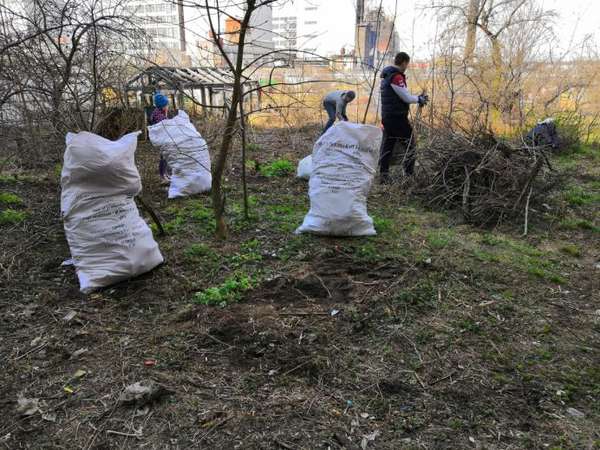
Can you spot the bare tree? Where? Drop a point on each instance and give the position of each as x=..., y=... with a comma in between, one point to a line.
x=513, y=33
x=65, y=54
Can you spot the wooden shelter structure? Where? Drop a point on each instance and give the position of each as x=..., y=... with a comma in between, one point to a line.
x=207, y=88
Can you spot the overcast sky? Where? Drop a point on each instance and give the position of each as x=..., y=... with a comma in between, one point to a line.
x=576, y=19
x=416, y=25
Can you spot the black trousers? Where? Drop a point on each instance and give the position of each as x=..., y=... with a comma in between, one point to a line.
x=397, y=130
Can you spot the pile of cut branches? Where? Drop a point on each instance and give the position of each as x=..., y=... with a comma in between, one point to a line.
x=489, y=180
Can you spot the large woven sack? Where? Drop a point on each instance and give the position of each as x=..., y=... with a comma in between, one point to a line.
x=108, y=239
x=344, y=163
x=186, y=153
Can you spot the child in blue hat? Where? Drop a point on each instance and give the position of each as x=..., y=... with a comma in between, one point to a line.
x=161, y=106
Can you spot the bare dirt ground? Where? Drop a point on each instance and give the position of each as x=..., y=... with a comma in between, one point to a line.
x=433, y=334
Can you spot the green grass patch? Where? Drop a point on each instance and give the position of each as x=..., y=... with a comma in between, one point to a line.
x=571, y=249
x=491, y=239
x=423, y=293
x=191, y=213
x=204, y=258
x=57, y=171
x=577, y=196
x=439, y=239
x=533, y=268
x=486, y=256
x=520, y=256
x=8, y=198
x=581, y=224
x=12, y=179
x=229, y=291
x=12, y=217
x=249, y=254
x=198, y=251
x=8, y=179
x=297, y=246
x=382, y=225
x=252, y=147
x=278, y=168
x=285, y=216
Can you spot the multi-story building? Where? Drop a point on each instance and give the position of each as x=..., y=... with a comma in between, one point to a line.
x=164, y=23
x=285, y=32
x=299, y=26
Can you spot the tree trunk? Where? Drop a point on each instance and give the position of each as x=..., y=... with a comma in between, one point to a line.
x=218, y=196
x=471, y=39
x=244, y=181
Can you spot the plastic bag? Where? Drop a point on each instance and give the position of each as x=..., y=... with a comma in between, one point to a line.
x=304, y=168
x=108, y=239
x=344, y=163
x=186, y=154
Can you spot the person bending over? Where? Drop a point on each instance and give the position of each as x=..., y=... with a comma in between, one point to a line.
x=395, y=105
x=335, y=104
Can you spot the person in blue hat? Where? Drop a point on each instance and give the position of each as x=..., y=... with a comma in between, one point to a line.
x=161, y=108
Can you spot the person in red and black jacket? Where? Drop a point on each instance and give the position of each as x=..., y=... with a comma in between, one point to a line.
x=395, y=105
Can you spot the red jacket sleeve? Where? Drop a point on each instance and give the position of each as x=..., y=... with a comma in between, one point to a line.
x=399, y=80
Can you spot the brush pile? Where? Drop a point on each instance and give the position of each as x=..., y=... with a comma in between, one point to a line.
x=490, y=181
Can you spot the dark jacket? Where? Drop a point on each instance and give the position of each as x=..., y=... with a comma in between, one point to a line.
x=391, y=104
x=544, y=134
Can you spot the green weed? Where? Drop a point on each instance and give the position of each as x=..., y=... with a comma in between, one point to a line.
x=278, y=168
x=8, y=198
x=12, y=217
x=231, y=290
x=382, y=225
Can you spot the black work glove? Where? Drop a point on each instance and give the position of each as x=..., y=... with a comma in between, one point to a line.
x=423, y=100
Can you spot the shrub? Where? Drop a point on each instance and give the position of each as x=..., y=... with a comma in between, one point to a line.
x=577, y=196
x=279, y=168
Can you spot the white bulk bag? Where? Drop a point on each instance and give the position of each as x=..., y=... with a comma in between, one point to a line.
x=109, y=241
x=344, y=163
x=304, y=168
x=186, y=154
